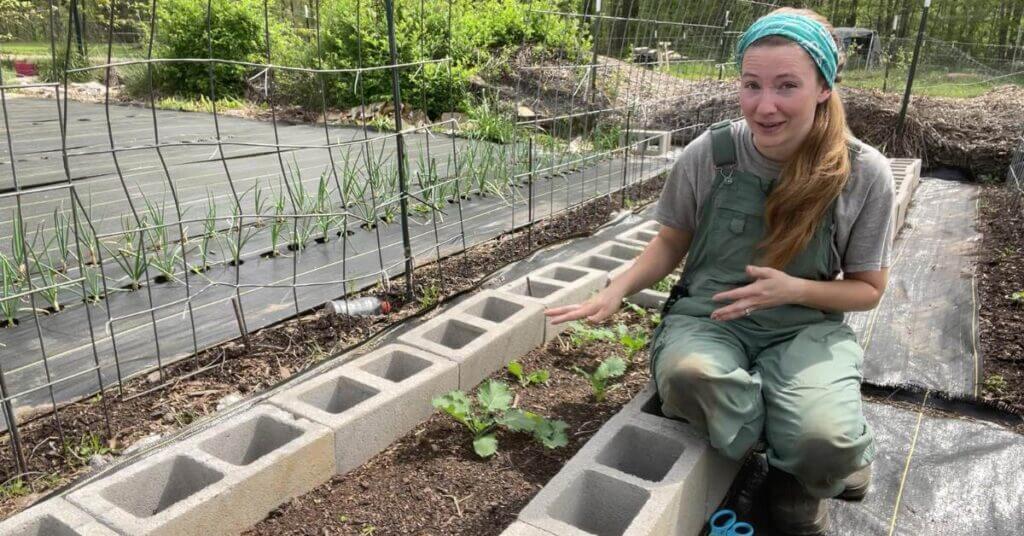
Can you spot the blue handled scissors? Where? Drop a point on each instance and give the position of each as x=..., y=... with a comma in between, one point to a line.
x=723, y=523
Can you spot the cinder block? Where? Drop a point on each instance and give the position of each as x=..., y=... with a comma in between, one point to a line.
x=524, y=319
x=556, y=285
x=648, y=142
x=518, y=528
x=371, y=401
x=640, y=235
x=649, y=298
x=220, y=481
x=640, y=474
x=611, y=257
x=55, y=517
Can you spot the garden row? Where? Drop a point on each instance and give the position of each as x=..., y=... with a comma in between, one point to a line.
x=71, y=258
x=227, y=477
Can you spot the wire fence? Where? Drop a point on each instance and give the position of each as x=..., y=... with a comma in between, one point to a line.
x=133, y=237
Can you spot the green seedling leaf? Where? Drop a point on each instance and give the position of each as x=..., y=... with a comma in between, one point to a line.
x=485, y=446
x=518, y=420
x=457, y=405
x=538, y=376
x=612, y=367
x=494, y=396
x=552, y=434
x=516, y=369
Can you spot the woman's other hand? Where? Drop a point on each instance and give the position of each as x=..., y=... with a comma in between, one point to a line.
x=770, y=288
x=599, y=307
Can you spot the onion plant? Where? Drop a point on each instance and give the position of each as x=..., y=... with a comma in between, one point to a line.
x=61, y=236
x=49, y=288
x=94, y=288
x=233, y=240
x=10, y=285
x=325, y=219
x=277, y=224
x=209, y=233
x=303, y=204
x=131, y=257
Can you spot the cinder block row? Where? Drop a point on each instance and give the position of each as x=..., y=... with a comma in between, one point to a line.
x=651, y=142
x=611, y=257
x=640, y=235
x=556, y=285
x=641, y=474
x=55, y=517
x=220, y=481
x=371, y=401
x=906, y=173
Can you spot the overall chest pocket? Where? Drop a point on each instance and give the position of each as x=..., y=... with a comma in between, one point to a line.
x=740, y=210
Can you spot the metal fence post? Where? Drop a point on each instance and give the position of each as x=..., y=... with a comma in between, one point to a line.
x=403, y=187
x=913, y=68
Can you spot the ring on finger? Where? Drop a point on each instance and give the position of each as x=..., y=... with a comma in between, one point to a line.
x=746, y=312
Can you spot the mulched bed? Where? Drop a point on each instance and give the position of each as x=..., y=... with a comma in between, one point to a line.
x=1000, y=274
x=54, y=449
x=431, y=482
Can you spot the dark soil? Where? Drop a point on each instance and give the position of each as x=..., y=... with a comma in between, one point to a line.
x=1000, y=274
x=431, y=482
x=191, y=388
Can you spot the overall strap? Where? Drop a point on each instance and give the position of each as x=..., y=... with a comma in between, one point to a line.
x=723, y=149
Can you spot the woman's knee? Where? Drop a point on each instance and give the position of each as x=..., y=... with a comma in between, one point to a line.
x=825, y=445
x=687, y=372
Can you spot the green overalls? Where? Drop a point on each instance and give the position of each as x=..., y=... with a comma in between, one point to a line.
x=790, y=372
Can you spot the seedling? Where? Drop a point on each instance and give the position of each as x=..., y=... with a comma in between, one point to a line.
x=61, y=236
x=581, y=334
x=995, y=384
x=277, y=224
x=15, y=487
x=48, y=275
x=89, y=445
x=155, y=222
x=493, y=409
x=613, y=367
x=525, y=379
x=666, y=284
x=93, y=284
x=429, y=296
x=166, y=261
x=1017, y=297
x=633, y=341
x=10, y=284
x=325, y=220
x=130, y=257
x=209, y=233
x=233, y=240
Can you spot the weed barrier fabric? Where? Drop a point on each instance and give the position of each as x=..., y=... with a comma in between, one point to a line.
x=63, y=334
x=932, y=475
x=923, y=333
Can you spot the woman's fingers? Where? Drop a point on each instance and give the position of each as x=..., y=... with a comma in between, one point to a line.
x=570, y=312
x=732, y=311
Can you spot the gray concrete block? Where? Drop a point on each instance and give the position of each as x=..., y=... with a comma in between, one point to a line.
x=611, y=257
x=477, y=346
x=640, y=474
x=55, y=517
x=649, y=298
x=640, y=235
x=220, y=481
x=524, y=319
x=518, y=528
x=371, y=401
x=647, y=142
x=556, y=285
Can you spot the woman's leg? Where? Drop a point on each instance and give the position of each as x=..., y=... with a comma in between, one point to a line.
x=700, y=368
x=814, y=422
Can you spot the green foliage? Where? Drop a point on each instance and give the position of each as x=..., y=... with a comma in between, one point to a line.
x=1017, y=297
x=610, y=368
x=581, y=334
x=525, y=379
x=666, y=284
x=50, y=71
x=88, y=445
x=355, y=33
x=489, y=120
x=16, y=487
x=237, y=34
x=995, y=384
x=632, y=340
x=493, y=409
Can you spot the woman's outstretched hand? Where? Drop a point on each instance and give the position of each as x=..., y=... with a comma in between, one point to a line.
x=770, y=288
x=599, y=307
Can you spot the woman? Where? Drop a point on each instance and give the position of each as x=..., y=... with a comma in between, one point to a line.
x=770, y=209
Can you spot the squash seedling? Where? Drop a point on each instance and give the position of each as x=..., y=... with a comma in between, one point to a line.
x=613, y=367
x=493, y=409
x=633, y=341
x=525, y=379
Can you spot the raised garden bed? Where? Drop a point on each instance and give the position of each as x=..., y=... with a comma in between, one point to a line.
x=56, y=454
x=431, y=482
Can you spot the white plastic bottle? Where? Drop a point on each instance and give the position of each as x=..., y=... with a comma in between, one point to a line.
x=365, y=306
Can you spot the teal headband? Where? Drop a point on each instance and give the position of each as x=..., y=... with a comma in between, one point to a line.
x=810, y=34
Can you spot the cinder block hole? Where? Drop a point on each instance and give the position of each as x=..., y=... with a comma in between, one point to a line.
x=49, y=526
x=619, y=251
x=396, y=366
x=453, y=334
x=600, y=262
x=652, y=406
x=641, y=453
x=646, y=236
x=339, y=395
x=599, y=504
x=161, y=486
x=251, y=440
x=564, y=273
x=535, y=289
x=494, y=309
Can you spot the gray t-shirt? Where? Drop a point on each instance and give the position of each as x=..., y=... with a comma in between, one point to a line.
x=864, y=232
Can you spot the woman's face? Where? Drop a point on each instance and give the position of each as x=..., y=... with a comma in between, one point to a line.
x=780, y=88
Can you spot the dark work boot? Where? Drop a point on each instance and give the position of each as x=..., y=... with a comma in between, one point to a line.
x=795, y=511
x=857, y=484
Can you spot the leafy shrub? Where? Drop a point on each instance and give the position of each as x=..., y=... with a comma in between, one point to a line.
x=50, y=71
x=237, y=34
